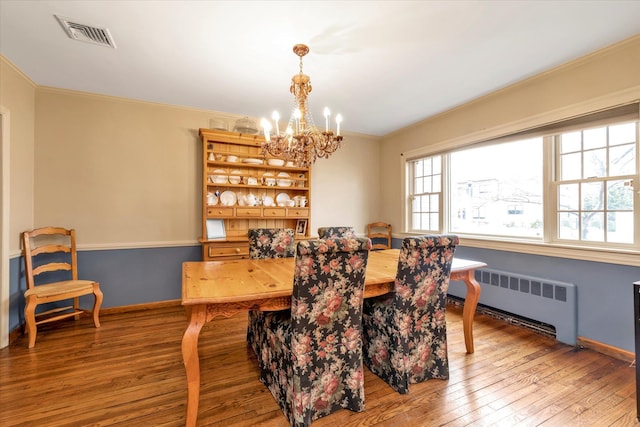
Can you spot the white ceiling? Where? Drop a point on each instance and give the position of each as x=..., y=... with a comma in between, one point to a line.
x=382, y=64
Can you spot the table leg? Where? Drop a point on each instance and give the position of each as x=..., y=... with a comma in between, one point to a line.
x=197, y=318
x=470, y=304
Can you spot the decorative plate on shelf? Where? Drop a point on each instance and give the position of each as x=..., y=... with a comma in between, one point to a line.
x=228, y=198
x=267, y=201
x=252, y=161
x=282, y=197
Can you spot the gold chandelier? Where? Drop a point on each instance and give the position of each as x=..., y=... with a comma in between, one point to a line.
x=301, y=142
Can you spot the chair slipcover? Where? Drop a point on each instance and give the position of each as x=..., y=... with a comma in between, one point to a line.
x=336, y=232
x=271, y=243
x=405, y=335
x=312, y=355
x=266, y=243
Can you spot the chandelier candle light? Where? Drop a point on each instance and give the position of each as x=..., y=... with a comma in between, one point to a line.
x=301, y=142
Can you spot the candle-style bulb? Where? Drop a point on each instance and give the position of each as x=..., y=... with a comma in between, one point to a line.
x=338, y=121
x=327, y=113
x=266, y=125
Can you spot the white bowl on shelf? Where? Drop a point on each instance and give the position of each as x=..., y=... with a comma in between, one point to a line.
x=275, y=162
x=235, y=177
x=220, y=177
x=232, y=159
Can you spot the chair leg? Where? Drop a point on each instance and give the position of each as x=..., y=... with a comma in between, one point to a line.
x=76, y=306
x=96, y=305
x=30, y=319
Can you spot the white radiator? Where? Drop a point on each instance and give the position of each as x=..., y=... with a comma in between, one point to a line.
x=546, y=301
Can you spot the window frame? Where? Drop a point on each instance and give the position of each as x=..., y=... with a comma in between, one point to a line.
x=556, y=181
x=626, y=254
x=412, y=194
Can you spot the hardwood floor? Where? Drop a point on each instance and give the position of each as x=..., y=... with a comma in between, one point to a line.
x=130, y=373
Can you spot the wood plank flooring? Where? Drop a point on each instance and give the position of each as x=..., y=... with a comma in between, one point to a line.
x=130, y=373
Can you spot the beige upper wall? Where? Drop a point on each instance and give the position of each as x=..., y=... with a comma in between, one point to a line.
x=126, y=173
x=17, y=97
x=599, y=80
x=346, y=186
x=120, y=172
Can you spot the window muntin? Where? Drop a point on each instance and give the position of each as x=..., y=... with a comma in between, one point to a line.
x=497, y=189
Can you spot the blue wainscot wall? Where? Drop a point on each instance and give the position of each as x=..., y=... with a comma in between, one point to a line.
x=126, y=276
x=138, y=276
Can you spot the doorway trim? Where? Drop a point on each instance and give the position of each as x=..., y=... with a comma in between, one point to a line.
x=5, y=190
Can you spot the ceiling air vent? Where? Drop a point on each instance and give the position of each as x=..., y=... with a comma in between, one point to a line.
x=86, y=33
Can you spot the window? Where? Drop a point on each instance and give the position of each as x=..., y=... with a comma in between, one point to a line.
x=571, y=183
x=596, y=169
x=425, y=176
x=501, y=186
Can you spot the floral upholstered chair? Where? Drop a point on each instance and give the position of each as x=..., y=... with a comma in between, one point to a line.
x=405, y=334
x=271, y=243
x=266, y=243
x=312, y=356
x=336, y=232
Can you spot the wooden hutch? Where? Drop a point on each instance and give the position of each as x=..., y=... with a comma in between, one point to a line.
x=243, y=189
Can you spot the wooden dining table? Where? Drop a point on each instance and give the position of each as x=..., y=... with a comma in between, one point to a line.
x=212, y=289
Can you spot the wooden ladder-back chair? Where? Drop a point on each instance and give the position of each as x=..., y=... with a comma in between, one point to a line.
x=377, y=231
x=46, y=262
